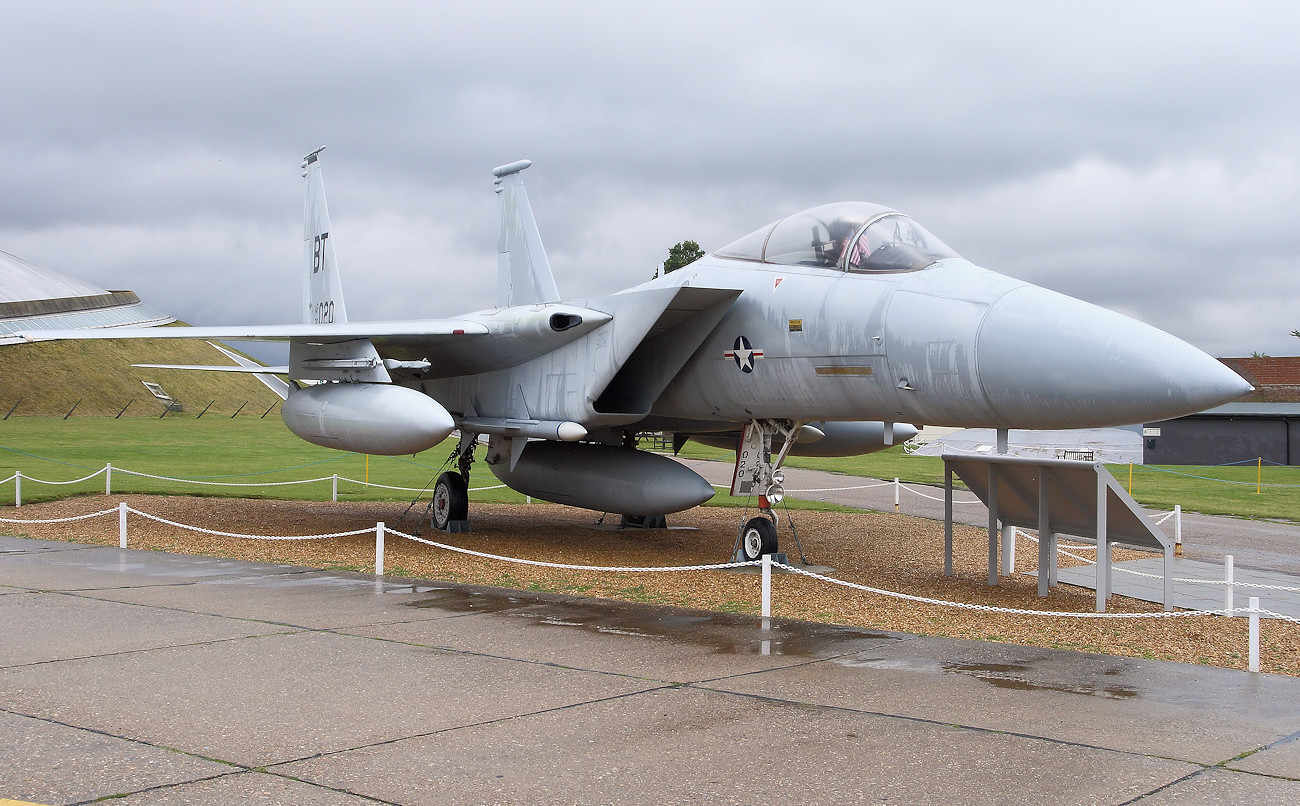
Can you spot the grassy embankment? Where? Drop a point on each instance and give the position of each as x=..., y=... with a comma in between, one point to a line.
x=96, y=379
x=218, y=448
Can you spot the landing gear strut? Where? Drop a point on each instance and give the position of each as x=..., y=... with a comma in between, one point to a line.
x=451, y=492
x=756, y=473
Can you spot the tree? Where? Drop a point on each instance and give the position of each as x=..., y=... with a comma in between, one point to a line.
x=682, y=254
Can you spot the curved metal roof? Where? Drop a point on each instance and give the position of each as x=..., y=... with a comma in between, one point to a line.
x=36, y=298
x=21, y=281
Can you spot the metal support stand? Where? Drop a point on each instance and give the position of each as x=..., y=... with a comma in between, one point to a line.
x=947, y=520
x=993, y=525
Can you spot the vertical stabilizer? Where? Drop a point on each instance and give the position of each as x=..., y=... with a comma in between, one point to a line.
x=523, y=272
x=323, y=290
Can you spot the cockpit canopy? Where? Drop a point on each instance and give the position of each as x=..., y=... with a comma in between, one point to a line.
x=850, y=236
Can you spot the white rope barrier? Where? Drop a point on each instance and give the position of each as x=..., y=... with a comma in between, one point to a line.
x=565, y=566
x=203, y=482
x=385, y=486
x=26, y=477
x=839, y=489
x=59, y=520
x=1194, y=580
x=1187, y=580
x=246, y=536
x=1272, y=614
x=992, y=609
x=410, y=489
x=933, y=498
x=215, y=483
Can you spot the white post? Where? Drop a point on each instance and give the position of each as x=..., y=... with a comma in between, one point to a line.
x=896, y=485
x=1253, y=664
x=1103, y=547
x=18, y=488
x=1008, y=550
x=121, y=525
x=334, y=488
x=379, y=549
x=1178, y=529
x=528, y=499
x=108, y=478
x=767, y=585
x=1227, y=589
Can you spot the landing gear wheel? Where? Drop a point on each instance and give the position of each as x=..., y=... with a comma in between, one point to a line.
x=450, y=501
x=643, y=522
x=758, y=538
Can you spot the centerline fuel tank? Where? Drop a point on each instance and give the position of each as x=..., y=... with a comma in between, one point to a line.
x=604, y=478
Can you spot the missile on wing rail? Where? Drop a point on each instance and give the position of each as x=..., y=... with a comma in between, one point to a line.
x=604, y=478
x=374, y=418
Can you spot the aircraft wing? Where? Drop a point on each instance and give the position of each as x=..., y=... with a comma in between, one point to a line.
x=437, y=348
x=319, y=334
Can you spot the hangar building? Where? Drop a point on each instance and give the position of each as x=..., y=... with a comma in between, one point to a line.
x=36, y=298
x=1263, y=425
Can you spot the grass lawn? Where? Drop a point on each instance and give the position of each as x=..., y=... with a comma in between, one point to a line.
x=244, y=451
x=258, y=452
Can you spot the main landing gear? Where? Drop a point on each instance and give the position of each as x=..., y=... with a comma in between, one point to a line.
x=451, y=492
x=757, y=473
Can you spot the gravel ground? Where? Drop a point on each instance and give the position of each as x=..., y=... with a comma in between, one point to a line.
x=892, y=552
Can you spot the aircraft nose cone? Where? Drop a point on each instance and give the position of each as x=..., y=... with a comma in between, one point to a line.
x=1051, y=361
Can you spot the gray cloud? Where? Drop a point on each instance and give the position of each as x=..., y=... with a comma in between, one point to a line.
x=1141, y=156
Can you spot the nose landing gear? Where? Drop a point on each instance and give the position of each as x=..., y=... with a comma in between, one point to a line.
x=756, y=472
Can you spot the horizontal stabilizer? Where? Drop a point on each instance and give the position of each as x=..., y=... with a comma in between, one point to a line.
x=222, y=368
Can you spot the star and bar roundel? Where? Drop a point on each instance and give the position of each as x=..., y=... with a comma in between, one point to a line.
x=744, y=354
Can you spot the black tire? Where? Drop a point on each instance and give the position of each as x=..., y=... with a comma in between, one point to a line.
x=758, y=538
x=450, y=500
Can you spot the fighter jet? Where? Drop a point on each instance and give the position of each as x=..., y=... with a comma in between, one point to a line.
x=833, y=331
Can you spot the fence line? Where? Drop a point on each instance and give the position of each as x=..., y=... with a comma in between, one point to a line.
x=766, y=563
x=108, y=470
x=1228, y=580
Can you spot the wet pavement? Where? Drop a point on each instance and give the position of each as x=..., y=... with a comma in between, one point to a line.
x=173, y=679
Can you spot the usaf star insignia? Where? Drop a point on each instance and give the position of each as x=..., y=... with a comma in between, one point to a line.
x=744, y=354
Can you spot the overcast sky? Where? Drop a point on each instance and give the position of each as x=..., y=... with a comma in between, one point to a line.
x=1142, y=156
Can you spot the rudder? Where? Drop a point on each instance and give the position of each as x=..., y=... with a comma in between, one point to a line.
x=322, y=289
x=523, y=272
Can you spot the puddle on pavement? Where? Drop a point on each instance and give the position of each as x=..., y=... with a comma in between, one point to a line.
x=1012, y=676
x=454, y=600
x=724, y=633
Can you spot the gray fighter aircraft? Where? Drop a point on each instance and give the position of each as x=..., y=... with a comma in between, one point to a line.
x=825, y=333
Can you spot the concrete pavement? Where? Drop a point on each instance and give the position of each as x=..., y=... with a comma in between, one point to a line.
x=177, y=679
